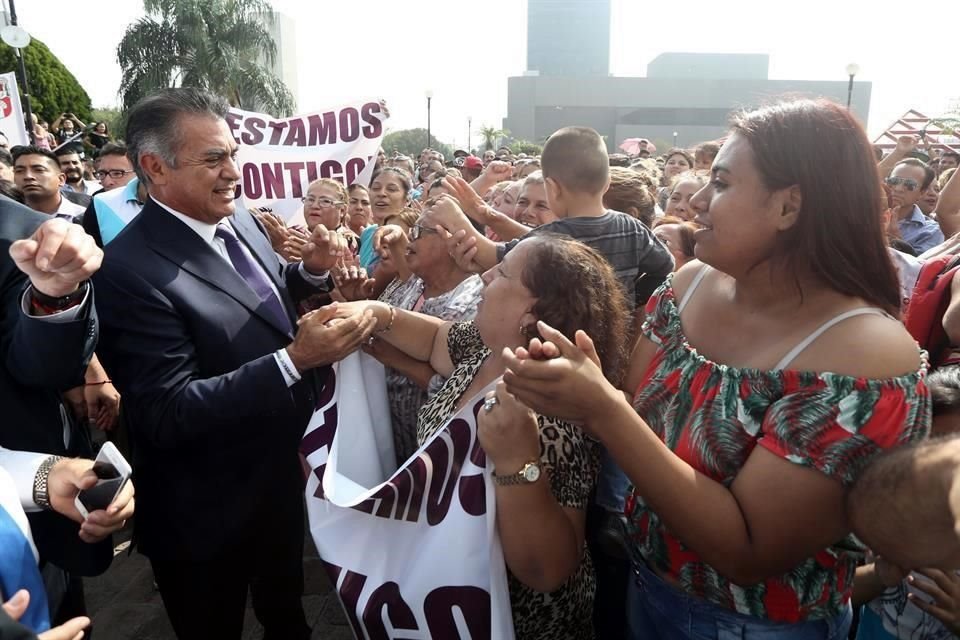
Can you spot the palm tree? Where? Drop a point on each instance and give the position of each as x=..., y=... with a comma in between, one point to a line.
x=491, y=135
x=224, y=46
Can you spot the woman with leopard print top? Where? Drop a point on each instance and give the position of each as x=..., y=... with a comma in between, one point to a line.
x=540, y=516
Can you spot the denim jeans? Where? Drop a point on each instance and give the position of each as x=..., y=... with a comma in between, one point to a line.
x=657, y=610
x=612, y=484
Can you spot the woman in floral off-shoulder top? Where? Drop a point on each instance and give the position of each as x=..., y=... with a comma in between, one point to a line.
x=769, y=372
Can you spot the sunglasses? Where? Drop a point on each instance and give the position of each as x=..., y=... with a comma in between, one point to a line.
x=417, y=231
x=908, y=183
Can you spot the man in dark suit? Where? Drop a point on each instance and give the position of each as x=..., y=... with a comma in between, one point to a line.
x=198, y=333
x=48, y=330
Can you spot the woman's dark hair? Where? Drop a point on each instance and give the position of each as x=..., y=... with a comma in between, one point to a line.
x=402, y=176
x=820, y=147
x=355, y=186
x=576, y=288
x=685, y=228
x=628, y=189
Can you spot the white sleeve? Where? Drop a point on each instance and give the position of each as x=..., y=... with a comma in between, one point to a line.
x=22, y=467
x=69, y=315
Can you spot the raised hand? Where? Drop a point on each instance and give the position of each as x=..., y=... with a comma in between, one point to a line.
x=508, y=431
x=70, y=476
x=324, y=249
x=352, y=282
x=389, y=239
x=57, y=257
x=570, y=386
x=447, y=213
x=462, y=248
x=277, y=231
x=906, y=144
x=470, y=201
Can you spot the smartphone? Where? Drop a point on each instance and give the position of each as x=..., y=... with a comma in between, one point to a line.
x=113, y=472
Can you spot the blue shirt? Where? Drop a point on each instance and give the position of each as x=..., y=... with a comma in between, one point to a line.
x=115, y=209
x=919, y=231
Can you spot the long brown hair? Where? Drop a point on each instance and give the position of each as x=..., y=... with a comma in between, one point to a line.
x=820, y=147
x=576, y=288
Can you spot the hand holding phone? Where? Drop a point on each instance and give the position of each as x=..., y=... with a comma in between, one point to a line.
x=112, y=472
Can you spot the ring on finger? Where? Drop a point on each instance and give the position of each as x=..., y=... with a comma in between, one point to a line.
x=490, y=403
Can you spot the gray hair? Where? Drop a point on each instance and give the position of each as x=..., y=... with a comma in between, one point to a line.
x=534, y=178
x=152, y=126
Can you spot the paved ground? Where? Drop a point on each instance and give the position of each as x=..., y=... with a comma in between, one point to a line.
x=125, y=606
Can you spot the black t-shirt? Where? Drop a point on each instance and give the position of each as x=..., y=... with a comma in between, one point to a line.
x=640, y=261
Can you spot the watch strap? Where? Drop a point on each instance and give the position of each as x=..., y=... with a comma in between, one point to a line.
x=520, y=477
x=41, y=491
x=51, y=304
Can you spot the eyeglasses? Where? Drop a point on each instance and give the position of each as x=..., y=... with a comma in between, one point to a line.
x=416, y=231
x=908, y=183
x=116, y=174
x=323, y=203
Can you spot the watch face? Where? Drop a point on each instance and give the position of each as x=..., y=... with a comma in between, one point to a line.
x=531, y=473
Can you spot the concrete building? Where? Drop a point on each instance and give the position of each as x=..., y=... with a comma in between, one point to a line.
x=283, y=30
x=568, y=37
x=691, y=94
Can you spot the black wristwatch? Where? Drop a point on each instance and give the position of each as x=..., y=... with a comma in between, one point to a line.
x=52, y=304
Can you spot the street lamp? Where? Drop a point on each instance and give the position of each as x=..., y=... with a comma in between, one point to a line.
x=469, y=128
x=674, y=139
x=852, y=69
x=429, y=94
x=17, y=38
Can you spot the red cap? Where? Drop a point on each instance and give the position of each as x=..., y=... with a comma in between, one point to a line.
x=473, y=162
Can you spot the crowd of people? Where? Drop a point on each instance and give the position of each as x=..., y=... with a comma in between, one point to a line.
x=710, y=419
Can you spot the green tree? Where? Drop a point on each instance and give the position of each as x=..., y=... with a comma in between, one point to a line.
x=410, y=142
x=224, y=46
x=53, y=89
x=112, y=117
x=491, y=136
x=527, y=147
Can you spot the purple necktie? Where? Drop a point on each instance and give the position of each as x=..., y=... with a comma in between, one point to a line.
x=253, y=274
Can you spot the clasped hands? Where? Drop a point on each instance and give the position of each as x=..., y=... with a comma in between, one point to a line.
x=330, y=334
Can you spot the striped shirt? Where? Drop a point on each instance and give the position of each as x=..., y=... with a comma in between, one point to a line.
x=640, y=261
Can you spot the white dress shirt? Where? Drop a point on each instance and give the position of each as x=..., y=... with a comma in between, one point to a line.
x=207, y=233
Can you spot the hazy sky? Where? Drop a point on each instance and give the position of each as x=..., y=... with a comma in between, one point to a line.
x=464, y=52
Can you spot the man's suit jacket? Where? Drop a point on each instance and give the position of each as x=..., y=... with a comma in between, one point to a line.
x=38, y=360
x=215, y=428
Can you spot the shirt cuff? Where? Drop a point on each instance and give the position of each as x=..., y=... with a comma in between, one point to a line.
x=289, y=372
x=314, y=279
x=69, y=315
x=23, y=466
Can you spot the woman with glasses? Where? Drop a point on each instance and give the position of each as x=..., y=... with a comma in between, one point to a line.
x=438, y=288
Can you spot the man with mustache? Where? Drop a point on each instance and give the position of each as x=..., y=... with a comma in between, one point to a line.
x=72, y=166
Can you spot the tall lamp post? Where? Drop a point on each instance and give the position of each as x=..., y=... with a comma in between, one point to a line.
x=429, y=94
x=469, y=129
x=17, y=38
x=852, y=70
x=675, y=139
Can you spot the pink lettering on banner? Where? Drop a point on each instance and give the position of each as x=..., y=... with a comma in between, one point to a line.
x=270, y=179
x=448, y=611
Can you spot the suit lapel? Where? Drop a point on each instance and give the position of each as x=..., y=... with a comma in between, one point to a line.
x=176, y=242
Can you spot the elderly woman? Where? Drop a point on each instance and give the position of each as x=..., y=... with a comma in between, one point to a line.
x=758, y=389
x=532, y=208
x=544, y=469
x=430, y=282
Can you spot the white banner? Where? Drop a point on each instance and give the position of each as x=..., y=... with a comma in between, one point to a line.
x=279, y=157
x=412, y=553
x=11, y=113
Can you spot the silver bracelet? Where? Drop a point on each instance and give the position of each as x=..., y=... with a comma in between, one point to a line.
x=41, y=492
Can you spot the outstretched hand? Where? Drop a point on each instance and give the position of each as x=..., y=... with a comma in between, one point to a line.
x=568, y=385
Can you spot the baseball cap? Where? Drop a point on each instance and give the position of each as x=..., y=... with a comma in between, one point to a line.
x=473, y=162
x=460, y=153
